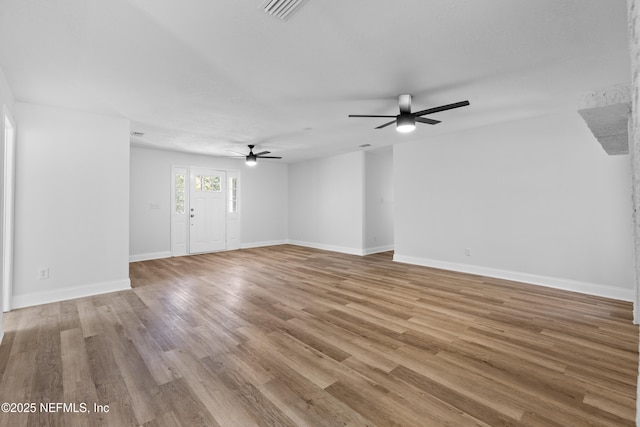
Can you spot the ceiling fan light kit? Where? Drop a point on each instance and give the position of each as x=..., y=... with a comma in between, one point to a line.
x=251, y=160
x=405, y=123
x=406, y=120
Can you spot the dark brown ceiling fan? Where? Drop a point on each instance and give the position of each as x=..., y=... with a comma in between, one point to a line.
x=406, y=120
x=252, y=158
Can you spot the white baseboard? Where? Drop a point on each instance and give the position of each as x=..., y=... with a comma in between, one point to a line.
x=342, y=249
x=377, y=249
x=168, y=254
x=37, y=298
x=262, y=244
x=551, y=282
x=149, y=256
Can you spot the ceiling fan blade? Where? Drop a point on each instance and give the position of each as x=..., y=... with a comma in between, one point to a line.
x=386, y=124
x=240, y=154
x=427, y=121
x=442, y=108
x=263, y=152
x=404, y=102
x=361, y=115
x=268, y=157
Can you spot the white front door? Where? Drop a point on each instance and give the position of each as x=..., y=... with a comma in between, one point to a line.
x=207, y=214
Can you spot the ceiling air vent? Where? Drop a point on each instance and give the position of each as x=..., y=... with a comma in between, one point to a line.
x=282, y=9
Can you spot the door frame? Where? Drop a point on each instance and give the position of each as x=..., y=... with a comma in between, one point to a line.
x=8, y=203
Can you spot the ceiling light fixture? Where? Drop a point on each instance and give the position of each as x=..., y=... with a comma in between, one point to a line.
x=405, y=123
x=406, y=120
x=252, y=158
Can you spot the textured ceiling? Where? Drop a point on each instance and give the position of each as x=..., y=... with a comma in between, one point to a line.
x=209, y=76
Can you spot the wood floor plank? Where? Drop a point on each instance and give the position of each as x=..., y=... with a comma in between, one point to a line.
x=221, y=403
x=16, y=387
x=26, y=321
x=75, y=363
x=473, y=404
x=47, y=381
x=89, y=319
x=292, y=336
x=148, y=349
x=567, y=410
x=426, y=406
x=143, y=390
x=304, y=397
x=185, y=406
x=69, y=316
x=107, y=379
x=312, y=411
x=258, y=406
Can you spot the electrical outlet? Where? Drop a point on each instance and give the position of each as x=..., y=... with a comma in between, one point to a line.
x=43, y=273
x=467, y=252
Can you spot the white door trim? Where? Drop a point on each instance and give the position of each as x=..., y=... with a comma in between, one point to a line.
x=8, y=199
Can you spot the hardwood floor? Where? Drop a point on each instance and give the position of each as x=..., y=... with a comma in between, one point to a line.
x=290, y=336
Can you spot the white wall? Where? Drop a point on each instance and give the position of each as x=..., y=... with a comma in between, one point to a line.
x=150, y=183
x=72, y=204
x=378, y=200
x=6, y=95
x=6, y=101
x=264, y=203
x=535, y=200
x=263, y=199
x=326, y=202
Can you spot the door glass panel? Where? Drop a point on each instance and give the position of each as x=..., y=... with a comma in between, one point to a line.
x=207, y=183
x=233, y=195
x=180, y=189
